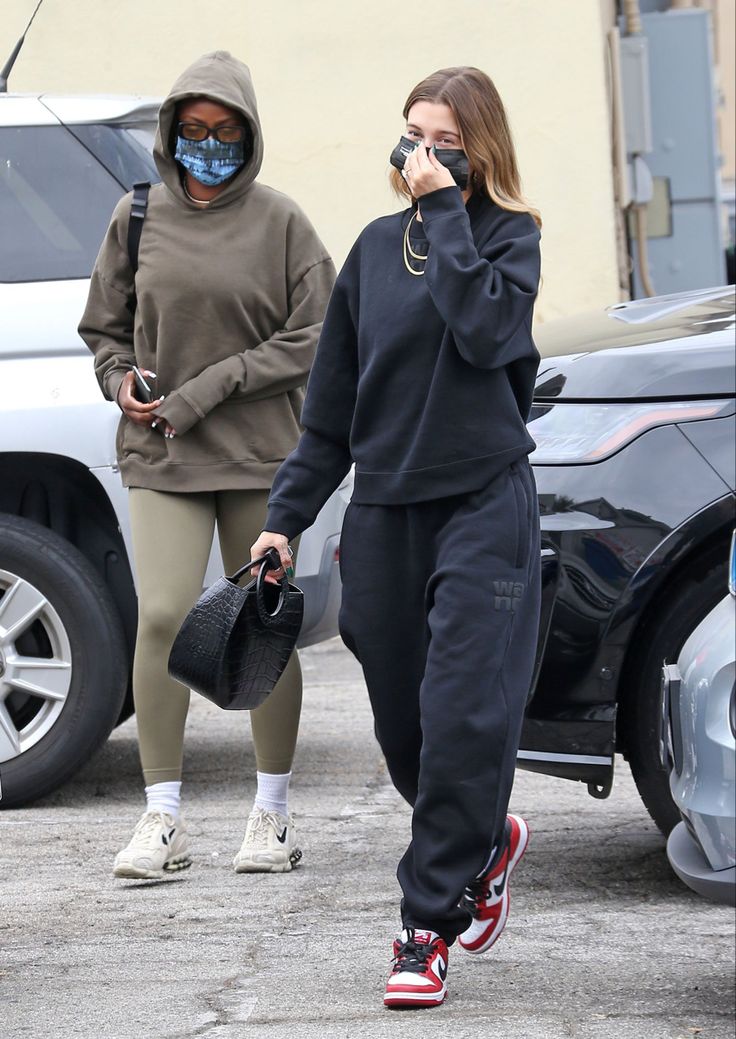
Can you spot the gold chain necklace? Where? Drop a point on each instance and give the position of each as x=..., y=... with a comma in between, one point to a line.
x=408, y=251
x=196, y=201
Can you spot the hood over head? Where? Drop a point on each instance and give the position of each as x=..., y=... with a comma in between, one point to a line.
x=219, y=77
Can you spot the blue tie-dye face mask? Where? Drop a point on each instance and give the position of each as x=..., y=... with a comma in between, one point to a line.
x=209, y=161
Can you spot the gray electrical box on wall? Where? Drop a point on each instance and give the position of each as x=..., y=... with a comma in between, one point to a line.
x=634, y=52
x=685, y=233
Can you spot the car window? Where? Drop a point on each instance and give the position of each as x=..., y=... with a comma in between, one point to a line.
x=124, y=152
x=55, y=203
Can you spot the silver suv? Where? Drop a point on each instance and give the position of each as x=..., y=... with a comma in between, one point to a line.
x=67, y=587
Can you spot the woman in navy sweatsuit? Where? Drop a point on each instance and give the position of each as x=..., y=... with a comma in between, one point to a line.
x=423, y=378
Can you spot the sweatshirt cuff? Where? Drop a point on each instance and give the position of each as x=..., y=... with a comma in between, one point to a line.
x=113, y=383
x=442, y=202
x=281, y=519
x=178, y=413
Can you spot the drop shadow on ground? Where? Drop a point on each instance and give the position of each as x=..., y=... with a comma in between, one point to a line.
x=114, y=772
x=212, y=765
x=625, y=860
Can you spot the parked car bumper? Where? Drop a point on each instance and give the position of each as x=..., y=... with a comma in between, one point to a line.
x=698, y=746
x=693, y=869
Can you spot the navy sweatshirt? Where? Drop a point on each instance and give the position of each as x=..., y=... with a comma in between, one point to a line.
x=424, y=382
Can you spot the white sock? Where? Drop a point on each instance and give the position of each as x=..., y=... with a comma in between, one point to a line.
x=164, y=797
x=273, y=792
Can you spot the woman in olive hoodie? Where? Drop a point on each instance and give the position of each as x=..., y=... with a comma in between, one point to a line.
x=223, y=312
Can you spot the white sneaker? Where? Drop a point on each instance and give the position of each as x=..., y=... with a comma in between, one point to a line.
x=159, y=845
x=269, y=845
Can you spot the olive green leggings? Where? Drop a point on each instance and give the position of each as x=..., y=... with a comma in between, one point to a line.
x=172, y=538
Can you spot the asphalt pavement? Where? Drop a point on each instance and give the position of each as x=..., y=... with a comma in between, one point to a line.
x=602, y=941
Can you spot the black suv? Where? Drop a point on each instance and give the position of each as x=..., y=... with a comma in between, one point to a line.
x=635, y=466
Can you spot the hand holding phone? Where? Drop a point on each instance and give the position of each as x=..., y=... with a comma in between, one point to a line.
x=143, y=389
x=146, y=395
x=134, y=386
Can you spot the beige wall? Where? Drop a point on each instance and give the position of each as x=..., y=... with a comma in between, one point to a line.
x=332, y=76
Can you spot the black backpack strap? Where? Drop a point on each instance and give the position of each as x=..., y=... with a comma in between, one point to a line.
x=138, y=208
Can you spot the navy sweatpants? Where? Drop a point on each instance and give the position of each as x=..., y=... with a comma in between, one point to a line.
x=441, y=607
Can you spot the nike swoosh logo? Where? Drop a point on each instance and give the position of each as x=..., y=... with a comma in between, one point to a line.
x=281, y=837
x=498, y=888
x=442, y=970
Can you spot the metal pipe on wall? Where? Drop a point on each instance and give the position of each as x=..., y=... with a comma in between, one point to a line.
x=632, y=14
x=632, y=17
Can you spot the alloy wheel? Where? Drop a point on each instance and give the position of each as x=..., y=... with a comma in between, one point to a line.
x=35, y=665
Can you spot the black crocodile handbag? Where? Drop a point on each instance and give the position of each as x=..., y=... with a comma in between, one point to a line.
x=235, y=642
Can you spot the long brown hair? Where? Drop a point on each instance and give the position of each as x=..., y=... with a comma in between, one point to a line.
x=484, y=133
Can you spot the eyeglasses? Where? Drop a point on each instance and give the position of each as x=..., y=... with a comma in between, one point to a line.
x=223, y=134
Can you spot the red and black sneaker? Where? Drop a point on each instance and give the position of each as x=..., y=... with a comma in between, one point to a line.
x=419, y=974
x=487, y=898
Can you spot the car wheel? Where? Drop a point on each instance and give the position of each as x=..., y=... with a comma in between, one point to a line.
x=661, y=638
x=63, y=662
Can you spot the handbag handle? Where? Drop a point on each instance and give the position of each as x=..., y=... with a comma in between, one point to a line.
x=271, y=561
x=271, y=557
x=266, y=615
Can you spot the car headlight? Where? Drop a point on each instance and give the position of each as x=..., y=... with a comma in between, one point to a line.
x=567, y=433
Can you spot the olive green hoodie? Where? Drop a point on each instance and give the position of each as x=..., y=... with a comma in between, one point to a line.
x=230, y=301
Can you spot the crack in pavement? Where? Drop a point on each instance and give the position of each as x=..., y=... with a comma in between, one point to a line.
x=228, y=1006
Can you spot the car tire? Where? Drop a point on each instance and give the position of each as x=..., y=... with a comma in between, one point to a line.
x=662, y=637
x=63, y=661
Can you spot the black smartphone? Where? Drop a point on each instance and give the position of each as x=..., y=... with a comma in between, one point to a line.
x=143, y=389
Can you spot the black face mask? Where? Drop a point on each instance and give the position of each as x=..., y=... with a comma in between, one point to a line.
x=454, y=159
